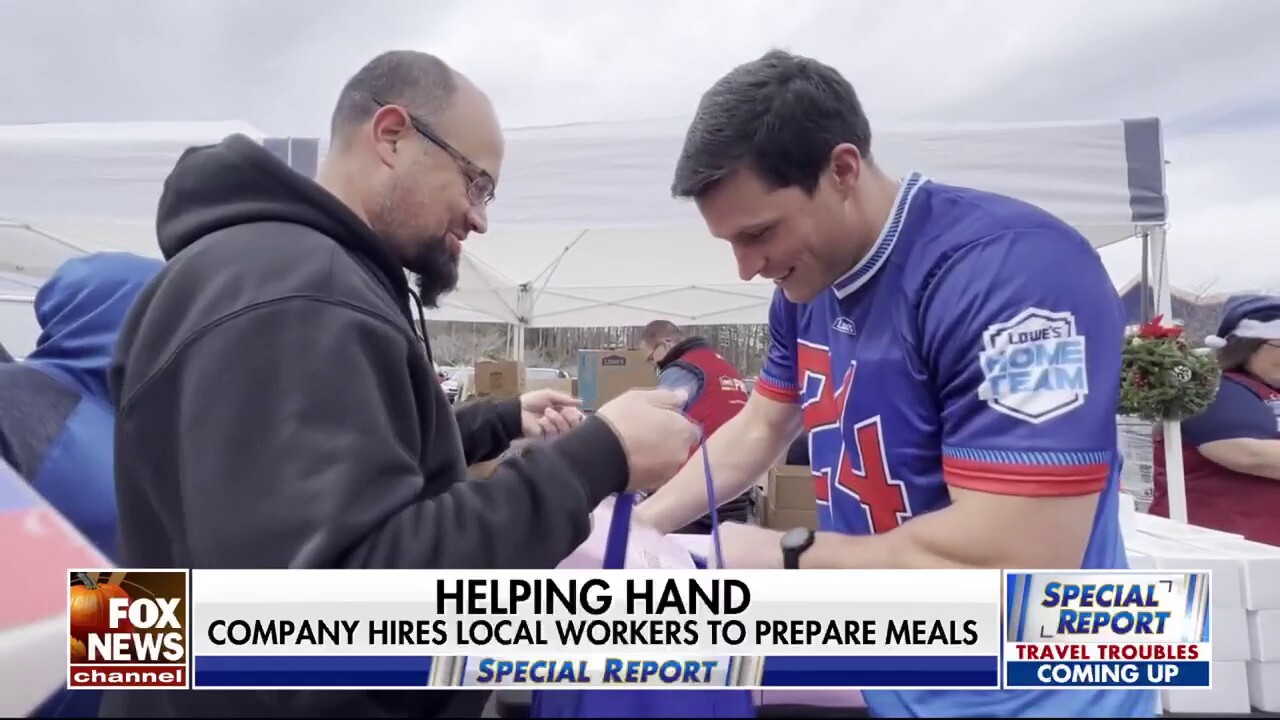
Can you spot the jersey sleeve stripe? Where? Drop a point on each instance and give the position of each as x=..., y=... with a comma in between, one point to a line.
x=776, y=390
x=1028, y=473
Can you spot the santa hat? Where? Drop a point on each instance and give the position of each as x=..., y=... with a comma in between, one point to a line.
x=1248, y=316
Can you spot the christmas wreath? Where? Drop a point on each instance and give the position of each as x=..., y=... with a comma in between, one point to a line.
x=1163, y=378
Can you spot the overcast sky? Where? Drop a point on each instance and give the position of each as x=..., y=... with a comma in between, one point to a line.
x=1208, y=68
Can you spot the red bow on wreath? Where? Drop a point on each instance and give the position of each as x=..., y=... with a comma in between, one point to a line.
x=1156, y=329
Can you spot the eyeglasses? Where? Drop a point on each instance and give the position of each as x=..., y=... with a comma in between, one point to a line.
x=652, y=359
x=480, y=184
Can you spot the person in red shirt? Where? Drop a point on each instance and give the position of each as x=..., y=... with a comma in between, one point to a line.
x=716, y=393
x=1231, y=451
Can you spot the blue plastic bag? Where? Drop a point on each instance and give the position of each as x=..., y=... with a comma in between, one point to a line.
x=717, y=703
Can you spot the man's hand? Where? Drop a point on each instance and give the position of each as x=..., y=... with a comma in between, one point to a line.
x=547, y=413
x=740, y=452
x=750, y=547
x=655, y=434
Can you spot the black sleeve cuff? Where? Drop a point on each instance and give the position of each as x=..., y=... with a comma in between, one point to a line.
x=509, y=415
x=596, y=455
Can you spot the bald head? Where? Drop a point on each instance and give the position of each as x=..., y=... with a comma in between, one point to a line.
x=416, y=150
x=421, y=83
x=659, y=330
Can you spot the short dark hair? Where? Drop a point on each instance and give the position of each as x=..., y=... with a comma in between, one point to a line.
x=1237, y=351
x=421, y=83
x=781, y=115
x=660, y=330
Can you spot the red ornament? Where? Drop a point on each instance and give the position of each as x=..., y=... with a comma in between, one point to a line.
x=1156, y=329
x=90, y=608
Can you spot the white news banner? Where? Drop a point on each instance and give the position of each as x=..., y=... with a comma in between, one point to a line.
x=621, y=628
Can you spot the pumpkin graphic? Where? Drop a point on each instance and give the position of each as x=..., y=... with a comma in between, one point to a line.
x=90, y=608
x=79, y=653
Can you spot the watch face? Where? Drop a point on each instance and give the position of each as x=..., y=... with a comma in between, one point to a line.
x=795, y=538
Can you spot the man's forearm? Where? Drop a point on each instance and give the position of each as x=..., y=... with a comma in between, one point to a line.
x=740, y=453
x=893, y=550
x=997, y=533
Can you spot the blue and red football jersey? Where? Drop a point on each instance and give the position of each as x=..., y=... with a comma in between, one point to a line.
x=977, y=346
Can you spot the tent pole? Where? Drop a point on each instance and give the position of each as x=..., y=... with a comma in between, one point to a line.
x=1174, y=471
x=1144, y=303
x=524, y=302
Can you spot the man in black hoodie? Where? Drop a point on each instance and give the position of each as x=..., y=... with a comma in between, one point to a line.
x=277, y=407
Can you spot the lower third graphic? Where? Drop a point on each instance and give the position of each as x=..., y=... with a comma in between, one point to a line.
x=1106, y=629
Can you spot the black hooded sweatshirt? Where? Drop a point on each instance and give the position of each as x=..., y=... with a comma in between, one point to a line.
x=276, y=409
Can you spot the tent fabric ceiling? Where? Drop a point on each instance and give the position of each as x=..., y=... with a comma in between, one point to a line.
x=584, y=231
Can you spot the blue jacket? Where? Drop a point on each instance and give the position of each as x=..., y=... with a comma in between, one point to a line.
x=57, y=425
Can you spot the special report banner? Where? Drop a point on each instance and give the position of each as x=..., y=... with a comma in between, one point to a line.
x=1092, y=629
x=896, y=629
x=294, y=629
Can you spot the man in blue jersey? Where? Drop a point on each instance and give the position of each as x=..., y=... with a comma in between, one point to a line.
x=953, y=354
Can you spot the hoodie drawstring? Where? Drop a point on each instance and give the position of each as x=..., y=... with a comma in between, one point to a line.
x=421, y=328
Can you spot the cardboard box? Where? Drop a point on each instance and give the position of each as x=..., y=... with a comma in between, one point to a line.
x=1264, y=685
x=791, y=519
x=789, y=498
x=1230, y=628
x=605, y=374
x=1174, y=530
x=1264, y=635
x=1229, y=695
x=1259, y=568
x=1226, y=576
x=791, y=488
x=498, y=379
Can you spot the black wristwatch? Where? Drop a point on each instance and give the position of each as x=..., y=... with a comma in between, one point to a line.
x=794, y=543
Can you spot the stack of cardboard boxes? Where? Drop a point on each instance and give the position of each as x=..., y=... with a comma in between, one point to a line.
x=602, y=376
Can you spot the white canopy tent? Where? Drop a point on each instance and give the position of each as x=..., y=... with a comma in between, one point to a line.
x=584, y=230
x=71, y=188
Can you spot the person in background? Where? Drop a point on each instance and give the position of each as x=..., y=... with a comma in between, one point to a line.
x=716, y=393
x=277, y=398
x=56, y=420
x=5, y=357
x=897, y=304
x=1231, y=451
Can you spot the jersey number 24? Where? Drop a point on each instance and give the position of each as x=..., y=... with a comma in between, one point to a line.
x=883, y=499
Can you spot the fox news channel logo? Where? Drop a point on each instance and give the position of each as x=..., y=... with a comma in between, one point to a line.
x=1098, y=629
x=128, y=629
